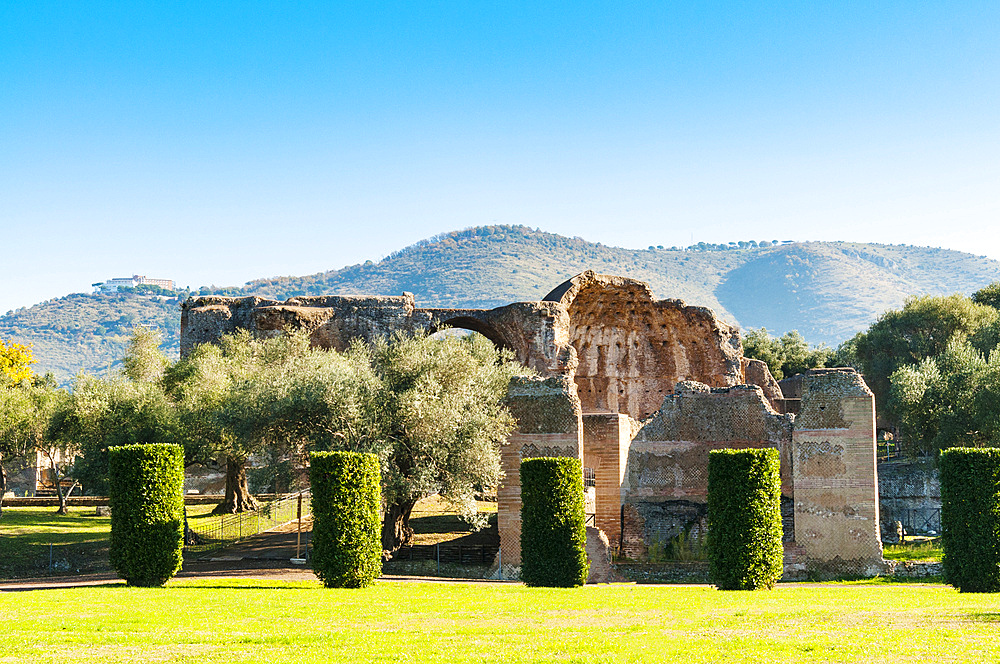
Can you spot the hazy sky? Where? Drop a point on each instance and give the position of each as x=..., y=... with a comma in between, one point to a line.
x=220, y=142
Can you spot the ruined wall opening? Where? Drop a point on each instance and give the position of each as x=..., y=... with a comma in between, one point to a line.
x=471, y=325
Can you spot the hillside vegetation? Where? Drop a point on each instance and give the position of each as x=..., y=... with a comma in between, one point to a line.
x=89, y=332
x=826, y=290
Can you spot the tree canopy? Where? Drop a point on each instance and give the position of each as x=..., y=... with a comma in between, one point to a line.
x=934, y=367
x=786, y=355
x=923, y=328
x=27, y=409
x=429, y=408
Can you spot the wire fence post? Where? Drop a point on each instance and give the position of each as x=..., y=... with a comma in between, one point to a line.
x=298, y=538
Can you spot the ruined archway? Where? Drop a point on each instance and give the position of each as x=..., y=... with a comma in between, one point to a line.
x=610, y=358
x=473, y=325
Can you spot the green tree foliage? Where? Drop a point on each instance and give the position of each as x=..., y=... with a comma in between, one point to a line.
x=129, y=407
x=744, y=518
x=430, y=409
x=346, y=544
x=441, y=406
x=988, y=295
x=786, y=355
x=970, y=518
x=846, y=354
x=553, y=523
x=26, y=411
x=225, y=402
x=952, y=399
x=921, y=329
x=147, y=512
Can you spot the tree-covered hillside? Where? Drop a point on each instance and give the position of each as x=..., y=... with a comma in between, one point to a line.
x=89, y=331
x=826, y=290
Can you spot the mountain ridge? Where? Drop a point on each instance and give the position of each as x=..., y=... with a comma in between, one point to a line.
x=826, y=290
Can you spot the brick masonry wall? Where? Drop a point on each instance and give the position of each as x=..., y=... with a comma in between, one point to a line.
x=549, y=424
x=606, y=440
x=665, y=482
x=836, y=490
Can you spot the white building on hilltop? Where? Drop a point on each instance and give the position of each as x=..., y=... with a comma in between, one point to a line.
x=131, y=282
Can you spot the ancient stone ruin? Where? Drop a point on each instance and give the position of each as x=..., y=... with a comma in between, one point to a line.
x=640, y=390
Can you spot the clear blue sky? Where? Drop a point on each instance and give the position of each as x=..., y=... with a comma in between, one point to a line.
x=220, y=142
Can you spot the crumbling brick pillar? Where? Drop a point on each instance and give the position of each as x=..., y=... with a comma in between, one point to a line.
x=834, y=474
x=548, y=424
x=606, y=439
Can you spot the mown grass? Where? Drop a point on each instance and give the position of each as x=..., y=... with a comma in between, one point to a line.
x=253, y=621
x=79, y=541
x=920, y=550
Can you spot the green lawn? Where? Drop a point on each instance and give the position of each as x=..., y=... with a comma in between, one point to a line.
x=251, y=621
x=925, y=550
x=79, y=541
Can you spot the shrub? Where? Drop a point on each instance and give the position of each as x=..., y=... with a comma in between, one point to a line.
x=346, y=542
x=553, y=524
x=970, y=518
x=744, y=519
x=145, y=487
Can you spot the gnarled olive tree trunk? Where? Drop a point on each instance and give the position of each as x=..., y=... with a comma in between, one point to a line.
x=396, y=531
x=238, y=498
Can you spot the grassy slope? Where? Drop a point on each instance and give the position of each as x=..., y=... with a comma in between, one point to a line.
x=229, y=620
x=826, y=290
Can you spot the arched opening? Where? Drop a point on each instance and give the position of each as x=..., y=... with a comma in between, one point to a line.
x=473, y=325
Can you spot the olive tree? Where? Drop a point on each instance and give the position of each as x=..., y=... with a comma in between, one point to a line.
x=786, y=355
x=430, y=409
x=441, y=403
x=26, y=411
x=951, y=399
x=923, y=328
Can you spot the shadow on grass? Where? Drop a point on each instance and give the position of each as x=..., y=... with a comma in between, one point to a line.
x=985, y=617
x=70, y=586
x=252, y=584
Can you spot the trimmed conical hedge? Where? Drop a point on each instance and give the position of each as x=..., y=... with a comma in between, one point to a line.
x=744, y=519
x=553, y=523
x=146, y=491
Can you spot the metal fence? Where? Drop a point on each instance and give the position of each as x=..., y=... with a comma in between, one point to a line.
x=886, y=450
x=919, y=520
x=214, y=532
x=462, y=554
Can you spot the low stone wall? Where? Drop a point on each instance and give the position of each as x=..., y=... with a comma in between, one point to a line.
x=679, y=572
x=913, y=569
